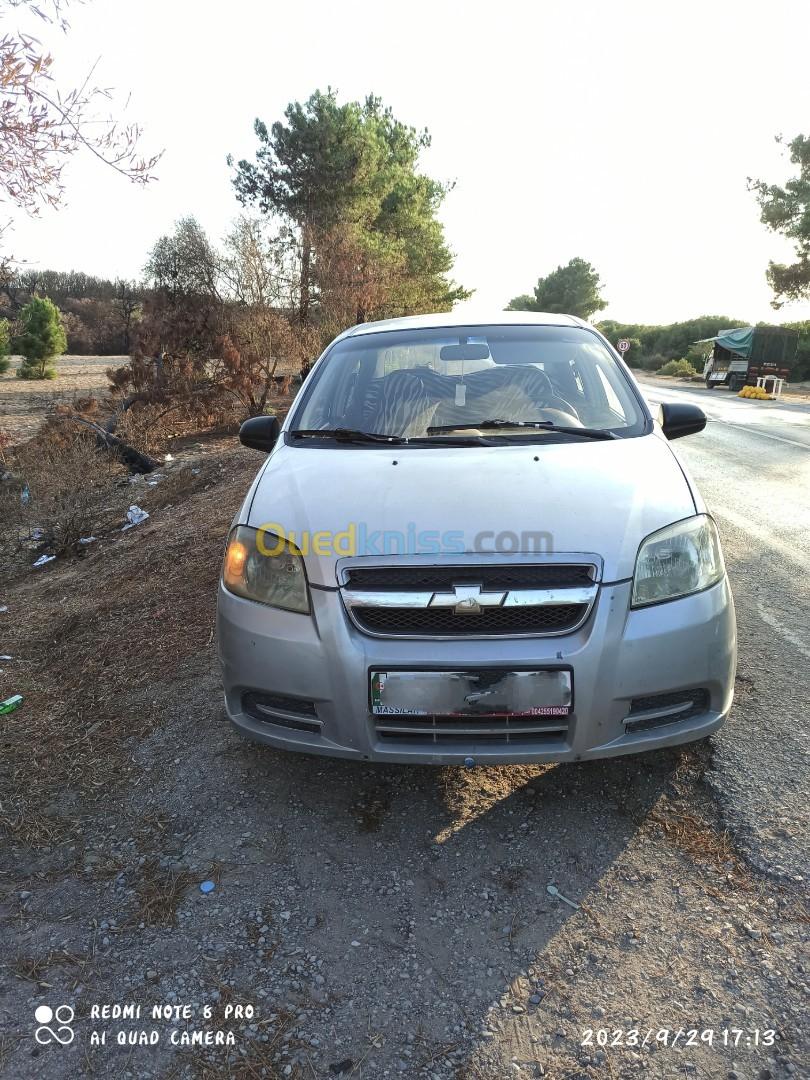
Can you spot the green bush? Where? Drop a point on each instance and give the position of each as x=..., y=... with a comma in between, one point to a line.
x=651, y=363
x=677, y=367
x=37, y=370
x=41, y=339
x=633, y=357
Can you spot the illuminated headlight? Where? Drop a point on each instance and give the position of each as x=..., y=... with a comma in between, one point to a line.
x=265, y=568
x=677, y=561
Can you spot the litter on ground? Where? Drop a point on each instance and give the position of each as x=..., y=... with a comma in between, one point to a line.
x=552, y=890
x=135, y=516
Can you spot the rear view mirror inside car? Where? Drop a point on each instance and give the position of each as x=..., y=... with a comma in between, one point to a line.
x=469, y=351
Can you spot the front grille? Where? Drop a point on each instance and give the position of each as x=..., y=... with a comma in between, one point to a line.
x=656, y=710
x=490, y=578
x=466, y=729
x=436, y=621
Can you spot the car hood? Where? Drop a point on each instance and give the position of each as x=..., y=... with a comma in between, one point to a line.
x=596, y=497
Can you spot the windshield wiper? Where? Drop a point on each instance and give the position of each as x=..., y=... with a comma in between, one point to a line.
x=347, y=435
x=540, y=425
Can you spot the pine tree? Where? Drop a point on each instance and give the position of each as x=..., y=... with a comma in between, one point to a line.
x=41, y=340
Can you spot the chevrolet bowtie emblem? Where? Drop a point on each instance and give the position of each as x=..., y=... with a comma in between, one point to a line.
x=467, y=599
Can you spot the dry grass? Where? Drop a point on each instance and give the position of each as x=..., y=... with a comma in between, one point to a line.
x=8, y=1044
x=160, y=891
x=177, y=484
x=94, y=641
x=62, y=490
x=32, y=969
x=151, y=428
x=687, y=819
x=696, y=837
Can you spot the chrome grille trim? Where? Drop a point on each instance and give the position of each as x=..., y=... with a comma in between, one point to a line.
x=515, y=598
x=469, y=596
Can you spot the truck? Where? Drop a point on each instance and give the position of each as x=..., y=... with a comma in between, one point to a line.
x=739, y=357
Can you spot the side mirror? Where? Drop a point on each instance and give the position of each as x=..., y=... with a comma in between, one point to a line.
x=678, y=419
x=260, y=433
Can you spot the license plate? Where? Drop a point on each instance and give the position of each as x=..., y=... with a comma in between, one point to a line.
x=482, y=692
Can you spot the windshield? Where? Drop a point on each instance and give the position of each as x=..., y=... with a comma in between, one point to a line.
x=412, y=383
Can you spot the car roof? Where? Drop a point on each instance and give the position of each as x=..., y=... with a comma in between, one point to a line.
x=465, y=318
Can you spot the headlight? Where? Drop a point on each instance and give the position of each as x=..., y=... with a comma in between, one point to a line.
x=265, y=568
x=681, y=559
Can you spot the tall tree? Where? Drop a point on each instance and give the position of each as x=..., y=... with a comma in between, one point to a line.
x=185, y=263
x=786, y=210
x=352, y=167
x=126, y=306
x=573, y=289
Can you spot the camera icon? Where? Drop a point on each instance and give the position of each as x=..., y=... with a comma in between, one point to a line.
x=62, y=1016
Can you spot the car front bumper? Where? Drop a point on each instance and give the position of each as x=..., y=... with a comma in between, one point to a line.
x=617, y=656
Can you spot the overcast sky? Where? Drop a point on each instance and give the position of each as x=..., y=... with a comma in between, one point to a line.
x=618, y=131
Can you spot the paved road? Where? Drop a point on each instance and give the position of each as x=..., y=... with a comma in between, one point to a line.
x=752, y=464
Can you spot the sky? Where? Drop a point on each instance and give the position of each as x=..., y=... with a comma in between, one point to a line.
x=618, y=131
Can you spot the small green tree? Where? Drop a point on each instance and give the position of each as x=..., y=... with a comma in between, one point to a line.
x=41, y=339
x=573, y=289
x=4, y=345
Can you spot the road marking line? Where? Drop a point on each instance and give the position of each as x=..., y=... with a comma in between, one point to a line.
x=764, y=434
x=782, y=630
x=766, y=538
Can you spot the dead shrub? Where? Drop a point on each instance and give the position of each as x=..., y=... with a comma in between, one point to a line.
x=150, y=427
x=58, y=491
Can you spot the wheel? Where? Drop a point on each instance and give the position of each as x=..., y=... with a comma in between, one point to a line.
x=709, y=384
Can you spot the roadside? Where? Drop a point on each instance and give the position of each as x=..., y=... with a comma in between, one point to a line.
x=751, y=465
x=792, y=393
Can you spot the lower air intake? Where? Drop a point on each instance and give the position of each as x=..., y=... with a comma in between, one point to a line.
x=296, y=713
x=657, y=710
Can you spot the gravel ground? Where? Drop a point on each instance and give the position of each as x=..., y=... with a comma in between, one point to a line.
x=368, y=921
